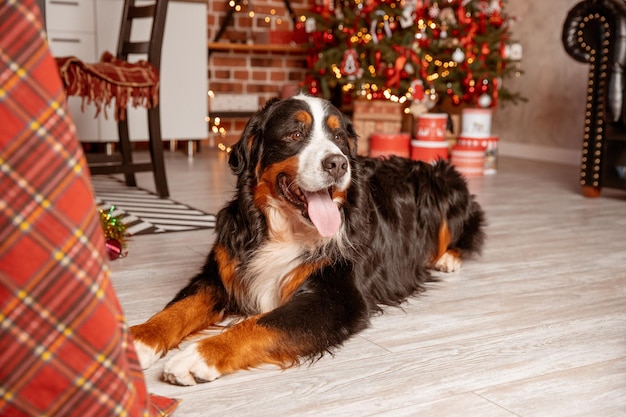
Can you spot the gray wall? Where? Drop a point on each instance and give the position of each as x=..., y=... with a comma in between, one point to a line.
x=549, y=125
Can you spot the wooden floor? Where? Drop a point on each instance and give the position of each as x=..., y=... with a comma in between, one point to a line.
x=536, y=327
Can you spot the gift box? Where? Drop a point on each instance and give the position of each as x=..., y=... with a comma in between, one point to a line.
x=386, y=144
x=468, y=160
x=431, y=126
x=476, y=123
x=429, y=151
x=375, y=116
x=489, y=146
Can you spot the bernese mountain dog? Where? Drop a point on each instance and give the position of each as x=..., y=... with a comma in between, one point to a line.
x=315, y=241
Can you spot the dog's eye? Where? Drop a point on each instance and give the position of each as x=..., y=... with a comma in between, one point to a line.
x=338, y=137
x=296, y=136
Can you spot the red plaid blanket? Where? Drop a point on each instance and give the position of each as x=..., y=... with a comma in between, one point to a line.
x=65, y=349
x=111, y=78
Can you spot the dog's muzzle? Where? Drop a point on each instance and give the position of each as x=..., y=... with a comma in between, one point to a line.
x=314, y=202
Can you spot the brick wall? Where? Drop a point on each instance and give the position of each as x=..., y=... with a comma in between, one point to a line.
x=252, y=69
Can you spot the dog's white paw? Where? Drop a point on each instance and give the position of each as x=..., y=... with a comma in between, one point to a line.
x=448, y=263
x=147, y=355
x=189, y=368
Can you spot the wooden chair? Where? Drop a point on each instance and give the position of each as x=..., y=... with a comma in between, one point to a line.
x=138, y=82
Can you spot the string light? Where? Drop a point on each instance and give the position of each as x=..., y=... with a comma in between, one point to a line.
x=399, y=42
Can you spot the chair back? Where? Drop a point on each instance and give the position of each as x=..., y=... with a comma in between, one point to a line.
x=156, y=11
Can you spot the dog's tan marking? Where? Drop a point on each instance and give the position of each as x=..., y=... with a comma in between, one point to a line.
x=339, y=195
x=297, y=278
x=166, y=329
x=333, y=122
x=443, y=239
x=247, y=345
x=446, y=260
x=267, y=181
x=227, y=268
x=304, y=117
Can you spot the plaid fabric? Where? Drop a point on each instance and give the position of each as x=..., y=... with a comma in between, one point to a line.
x=111, y=78
x=65, y=349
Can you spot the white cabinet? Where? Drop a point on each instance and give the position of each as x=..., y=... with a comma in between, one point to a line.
x=71, y=31
x=94, y=27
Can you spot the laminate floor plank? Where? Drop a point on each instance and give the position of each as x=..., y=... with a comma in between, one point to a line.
x=594, y=390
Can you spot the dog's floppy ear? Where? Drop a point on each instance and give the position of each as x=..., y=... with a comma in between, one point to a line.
x=243, y=152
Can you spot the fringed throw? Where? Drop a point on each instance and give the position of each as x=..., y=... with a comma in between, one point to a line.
x=111, y=78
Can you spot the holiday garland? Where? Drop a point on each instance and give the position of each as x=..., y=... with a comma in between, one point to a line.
x=413, y=51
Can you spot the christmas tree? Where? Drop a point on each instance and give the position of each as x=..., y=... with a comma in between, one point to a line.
x=412, y=51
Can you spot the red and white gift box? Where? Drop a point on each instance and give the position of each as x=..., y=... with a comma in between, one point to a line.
x=429, y=150
x=489, y=145
x=386, y=144
x=468, y=160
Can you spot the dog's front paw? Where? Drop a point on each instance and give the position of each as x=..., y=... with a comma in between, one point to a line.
x=189, y=368
x=448, y=262
x=147, y=355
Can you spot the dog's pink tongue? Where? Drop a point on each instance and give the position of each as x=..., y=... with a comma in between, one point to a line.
x=323, y=212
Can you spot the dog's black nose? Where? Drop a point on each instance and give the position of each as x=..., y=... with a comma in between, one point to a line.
x=336, y=165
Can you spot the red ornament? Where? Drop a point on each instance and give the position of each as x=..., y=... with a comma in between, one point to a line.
x=418, y=90
x=484, y=49
x=496, y=20
x=114, y=249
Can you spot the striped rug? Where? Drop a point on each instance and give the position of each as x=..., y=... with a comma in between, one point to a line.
x=144, y=212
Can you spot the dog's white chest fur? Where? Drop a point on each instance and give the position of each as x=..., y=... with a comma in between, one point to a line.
x=267, y=272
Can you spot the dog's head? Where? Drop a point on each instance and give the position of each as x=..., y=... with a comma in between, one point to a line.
x=295, y=156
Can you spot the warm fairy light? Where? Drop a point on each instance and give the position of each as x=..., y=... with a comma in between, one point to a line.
x=423, y=50
x=223, y=147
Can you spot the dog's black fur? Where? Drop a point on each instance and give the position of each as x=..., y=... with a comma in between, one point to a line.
x=395, y=213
